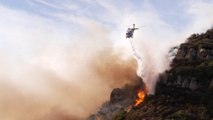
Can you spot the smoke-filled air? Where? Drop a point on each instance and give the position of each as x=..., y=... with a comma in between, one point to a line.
x=60, y=60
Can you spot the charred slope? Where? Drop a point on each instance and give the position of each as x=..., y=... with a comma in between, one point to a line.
x=185, y=92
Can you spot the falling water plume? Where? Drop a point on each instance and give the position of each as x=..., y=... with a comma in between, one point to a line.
x=141, y=67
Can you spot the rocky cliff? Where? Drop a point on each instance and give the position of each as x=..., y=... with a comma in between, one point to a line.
x=185, y=92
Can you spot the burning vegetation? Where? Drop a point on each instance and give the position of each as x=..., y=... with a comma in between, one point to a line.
x=141, y=96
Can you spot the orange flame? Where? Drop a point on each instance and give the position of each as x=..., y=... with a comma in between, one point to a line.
x=141, y=96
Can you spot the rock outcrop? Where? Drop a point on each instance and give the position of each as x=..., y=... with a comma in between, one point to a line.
x=192, y=68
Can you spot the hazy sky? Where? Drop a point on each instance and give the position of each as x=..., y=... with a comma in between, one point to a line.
x=45, y=20
x=108, y=12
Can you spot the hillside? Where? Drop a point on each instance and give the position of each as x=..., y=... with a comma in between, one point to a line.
x=185, y=92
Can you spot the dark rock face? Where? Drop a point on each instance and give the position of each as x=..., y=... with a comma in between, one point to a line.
x=191, y=76
x=198, y=47
x=192, y=67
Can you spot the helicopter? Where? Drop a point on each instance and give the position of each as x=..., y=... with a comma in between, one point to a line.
x=130, y=32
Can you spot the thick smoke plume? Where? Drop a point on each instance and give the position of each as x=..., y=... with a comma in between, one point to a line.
x=60, y=84
x=40, y=93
